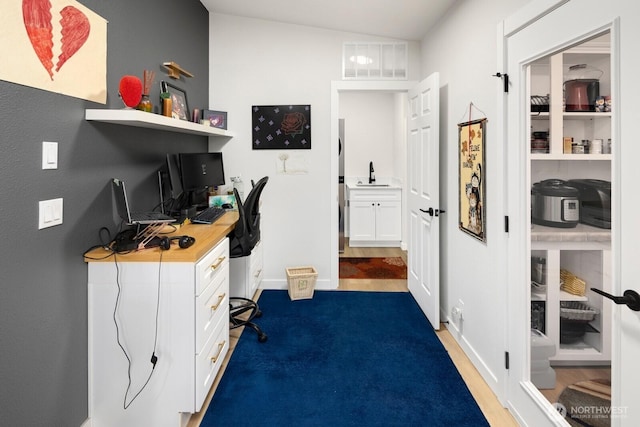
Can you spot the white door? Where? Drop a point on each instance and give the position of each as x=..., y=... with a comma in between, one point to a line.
x=534, y=33
x=423, y=197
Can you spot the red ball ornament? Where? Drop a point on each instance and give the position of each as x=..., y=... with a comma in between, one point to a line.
x=130, y=91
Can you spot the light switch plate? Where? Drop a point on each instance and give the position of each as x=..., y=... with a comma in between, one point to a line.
x=49, y=155
x=49, y=213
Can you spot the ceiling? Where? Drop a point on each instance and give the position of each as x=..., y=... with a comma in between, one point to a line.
x=400, y=19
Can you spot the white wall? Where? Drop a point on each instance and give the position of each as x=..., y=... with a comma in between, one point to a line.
x=369, y=133
x=375, y=130
x=256, y=62
x=463, y=49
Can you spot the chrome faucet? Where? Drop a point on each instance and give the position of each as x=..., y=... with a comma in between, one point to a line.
x=372, y=176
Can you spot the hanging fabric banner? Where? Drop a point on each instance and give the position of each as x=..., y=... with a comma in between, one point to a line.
x=472, y=207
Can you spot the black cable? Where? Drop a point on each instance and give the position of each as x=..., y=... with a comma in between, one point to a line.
x=103, y=245
x=174, y=229
x=154, y=358
x=100, y=233
x=111, y=253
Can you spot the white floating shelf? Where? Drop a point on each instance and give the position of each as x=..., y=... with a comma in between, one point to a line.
x=153, y=121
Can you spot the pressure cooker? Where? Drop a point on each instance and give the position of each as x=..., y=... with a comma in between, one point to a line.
x=554, y=203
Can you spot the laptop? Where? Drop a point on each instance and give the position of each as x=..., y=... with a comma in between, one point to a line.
x=122, y=203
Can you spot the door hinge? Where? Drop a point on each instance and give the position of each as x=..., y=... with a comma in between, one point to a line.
x=506, y=223
x=506, y=360
x=505, y=80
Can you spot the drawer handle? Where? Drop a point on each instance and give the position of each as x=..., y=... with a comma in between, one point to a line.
x=220, y=298
x=258, y=273
x=220, y=261
x=214, y=359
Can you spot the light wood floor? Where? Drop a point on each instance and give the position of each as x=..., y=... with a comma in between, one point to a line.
x=486, y=399
x=568, y=375
x=373, y=284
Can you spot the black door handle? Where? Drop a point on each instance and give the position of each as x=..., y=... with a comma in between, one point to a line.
x=429, y=211
x=630, y=298
x=433, y=212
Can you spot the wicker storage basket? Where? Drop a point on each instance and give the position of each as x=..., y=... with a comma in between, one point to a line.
x=302, y=282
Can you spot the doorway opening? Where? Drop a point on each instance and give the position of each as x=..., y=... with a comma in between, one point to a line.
x=373, y=135
x=372, y=144
x=569, y=159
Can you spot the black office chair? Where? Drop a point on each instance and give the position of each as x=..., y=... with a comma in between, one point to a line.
x=246, y=235
x=242, y=240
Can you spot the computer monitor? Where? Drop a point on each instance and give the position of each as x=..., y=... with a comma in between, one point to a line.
x=201, y=170
x=173, y=172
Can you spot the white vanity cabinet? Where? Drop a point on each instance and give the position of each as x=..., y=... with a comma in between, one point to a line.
x=163, y=300
x=375, y=216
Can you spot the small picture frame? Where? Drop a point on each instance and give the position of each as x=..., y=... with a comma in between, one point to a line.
x=179, y=105
x=227, y=201
x=216, y=119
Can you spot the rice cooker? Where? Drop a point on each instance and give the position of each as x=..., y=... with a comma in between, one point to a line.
x=554, y=203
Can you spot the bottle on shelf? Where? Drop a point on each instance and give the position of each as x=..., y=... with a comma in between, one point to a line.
x=238, y=185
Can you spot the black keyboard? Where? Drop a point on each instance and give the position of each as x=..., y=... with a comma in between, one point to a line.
x=208, y=215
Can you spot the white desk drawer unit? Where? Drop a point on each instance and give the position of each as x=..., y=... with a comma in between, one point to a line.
x=212, y=276
x=246, y=273
x=210, y=265
x=191, y=300
x=256, y=269
x=210, y=359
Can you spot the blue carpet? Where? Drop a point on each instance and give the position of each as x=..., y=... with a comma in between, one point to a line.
x=342, y=359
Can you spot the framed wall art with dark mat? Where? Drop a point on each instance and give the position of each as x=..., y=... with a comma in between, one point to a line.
x=278, y=127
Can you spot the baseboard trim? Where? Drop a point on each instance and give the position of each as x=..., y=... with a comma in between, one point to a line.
x=275, y=284
x=485, y=372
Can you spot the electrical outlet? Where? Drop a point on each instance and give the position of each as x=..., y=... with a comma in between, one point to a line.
x=457, y=310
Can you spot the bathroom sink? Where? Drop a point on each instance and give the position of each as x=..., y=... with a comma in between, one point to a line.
x=360, y=184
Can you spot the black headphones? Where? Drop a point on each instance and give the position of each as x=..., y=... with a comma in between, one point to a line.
x=183, y=241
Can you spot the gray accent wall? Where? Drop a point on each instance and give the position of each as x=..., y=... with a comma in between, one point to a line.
x=43, y=287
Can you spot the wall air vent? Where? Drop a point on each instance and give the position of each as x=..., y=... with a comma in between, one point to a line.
x=374, y=61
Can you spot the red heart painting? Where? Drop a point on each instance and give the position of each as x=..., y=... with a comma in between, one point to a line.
x=37, y=21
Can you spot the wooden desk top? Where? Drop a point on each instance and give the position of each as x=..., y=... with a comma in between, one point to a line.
x=207, y=236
